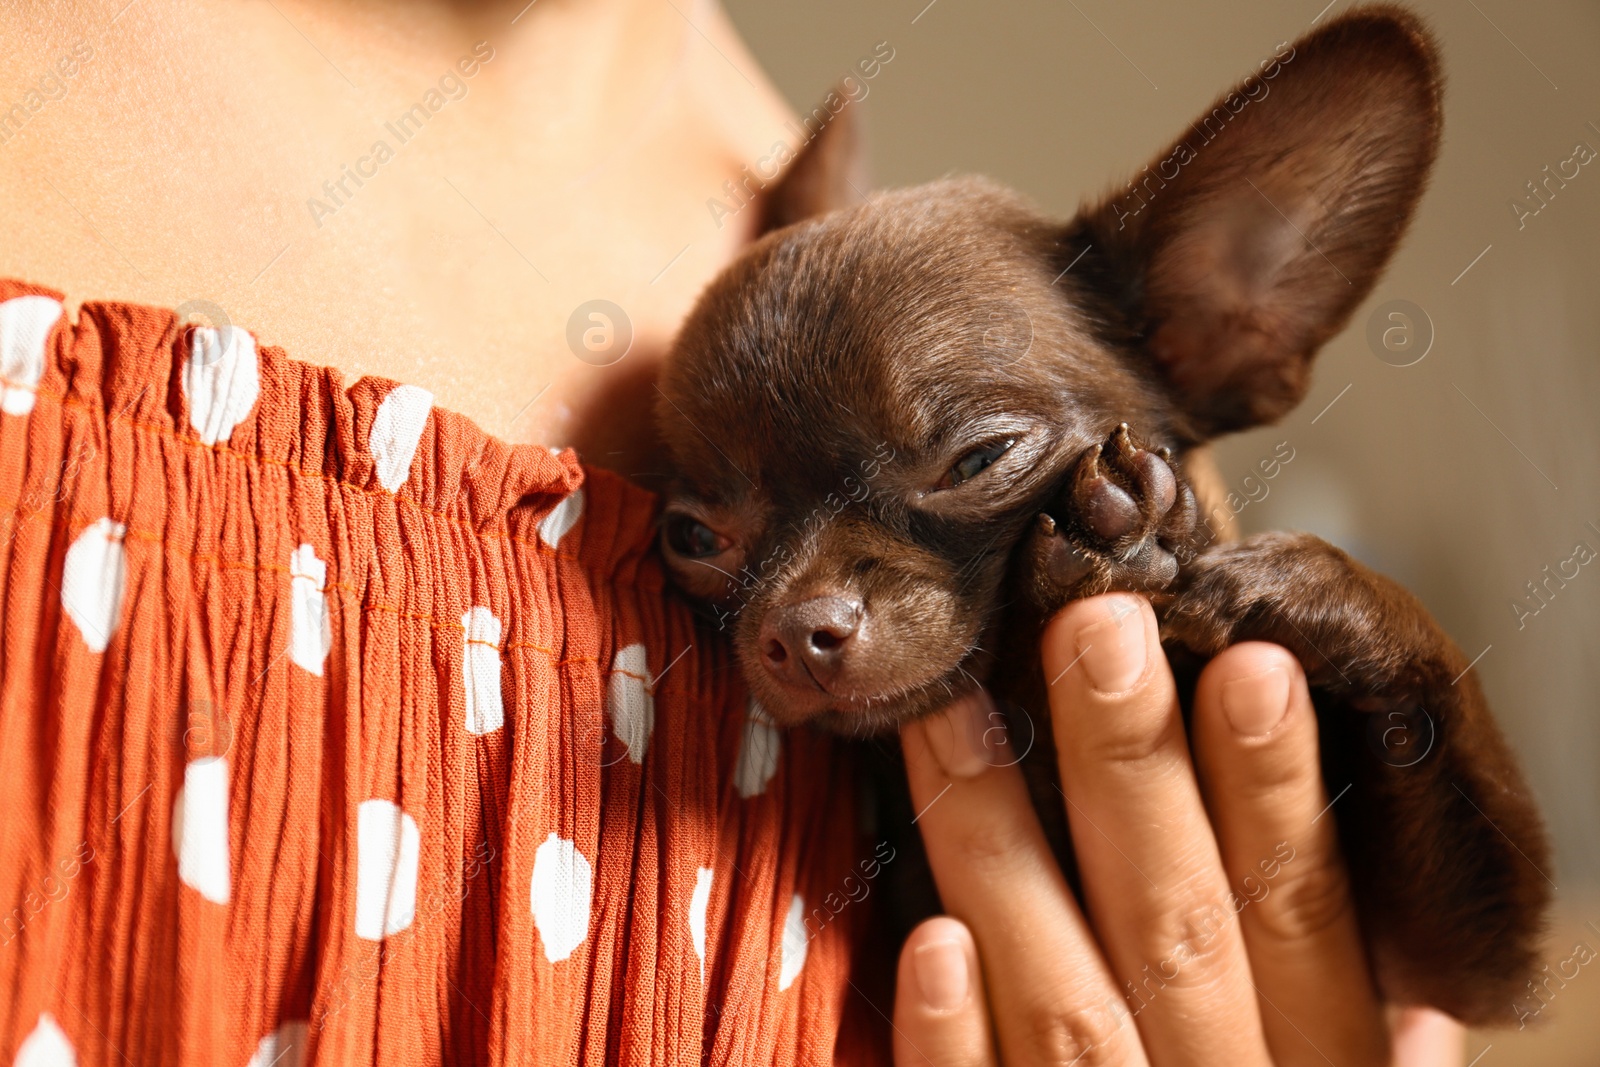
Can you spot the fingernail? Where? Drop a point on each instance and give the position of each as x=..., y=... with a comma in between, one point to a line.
x=967, y=738
x=1254, y=705
x=941, y=969
x=1113, y=651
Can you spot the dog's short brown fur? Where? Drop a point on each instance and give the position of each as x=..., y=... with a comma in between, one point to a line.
x=907, y=429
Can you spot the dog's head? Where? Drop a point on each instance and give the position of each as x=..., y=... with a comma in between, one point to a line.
x=868, y=409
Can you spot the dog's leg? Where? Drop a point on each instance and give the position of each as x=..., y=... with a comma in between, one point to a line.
x=1447, y=856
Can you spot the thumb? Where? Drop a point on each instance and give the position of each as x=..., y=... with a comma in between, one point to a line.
x=1427, y=1038
x=940, y=1014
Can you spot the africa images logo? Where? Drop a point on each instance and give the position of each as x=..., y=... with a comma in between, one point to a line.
x=407, y=125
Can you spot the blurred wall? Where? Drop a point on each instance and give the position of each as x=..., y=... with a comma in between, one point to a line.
x=1463, y=475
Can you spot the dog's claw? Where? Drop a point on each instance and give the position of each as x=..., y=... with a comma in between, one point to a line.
x=1121, y=442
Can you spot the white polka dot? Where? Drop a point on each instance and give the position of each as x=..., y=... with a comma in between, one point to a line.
x=562, y=885
x=221, y=379
x=310, y=630
x=758, y=753
x=630, y=702
x=480, y=670
x=200, y=828
x=25, y=325
x=698, y=900
x=93, y=580
x=284, y=1047
x=396, y=430
x=554, y=526
x=46, y=1046
x=387, y=847
x=795, y=943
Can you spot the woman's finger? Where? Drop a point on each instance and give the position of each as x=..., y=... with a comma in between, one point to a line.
x=940, y=1016
x=1427, y=1038
x=1053, y=999
x=1255, y=739
x=1153, y=880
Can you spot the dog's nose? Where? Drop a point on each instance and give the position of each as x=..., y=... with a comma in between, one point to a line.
x=807, y=643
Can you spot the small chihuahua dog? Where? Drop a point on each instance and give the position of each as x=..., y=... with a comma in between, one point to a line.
x=906, y=430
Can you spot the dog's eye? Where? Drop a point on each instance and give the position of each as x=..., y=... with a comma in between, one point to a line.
x=974, y=463
x=693, y=539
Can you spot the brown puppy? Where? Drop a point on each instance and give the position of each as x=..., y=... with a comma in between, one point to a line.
x=906, y=430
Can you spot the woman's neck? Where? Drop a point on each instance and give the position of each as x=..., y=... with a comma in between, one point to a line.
x=424, y=191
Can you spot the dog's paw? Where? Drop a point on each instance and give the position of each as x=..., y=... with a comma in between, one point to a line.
x=1124, y=521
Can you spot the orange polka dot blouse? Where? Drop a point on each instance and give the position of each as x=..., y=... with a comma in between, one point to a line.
x=335, y=731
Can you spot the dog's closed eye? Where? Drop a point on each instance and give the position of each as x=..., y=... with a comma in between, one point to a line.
x=693, y=539
x=974, y=463
x=702, y=557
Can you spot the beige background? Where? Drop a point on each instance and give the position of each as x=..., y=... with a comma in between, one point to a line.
x=1463, y=475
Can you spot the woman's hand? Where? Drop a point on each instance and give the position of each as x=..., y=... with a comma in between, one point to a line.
x=1219, y=926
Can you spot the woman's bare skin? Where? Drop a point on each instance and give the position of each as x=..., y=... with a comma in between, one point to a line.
x=180, y=161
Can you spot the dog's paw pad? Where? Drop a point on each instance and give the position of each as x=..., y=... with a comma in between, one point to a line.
x=1179, y=524
x=1108, y=509
x=1123, y=493
x=1124, y=519
x=1062, y=565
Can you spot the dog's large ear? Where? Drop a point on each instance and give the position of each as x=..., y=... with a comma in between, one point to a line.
x=1237, y=253
x=829, y=171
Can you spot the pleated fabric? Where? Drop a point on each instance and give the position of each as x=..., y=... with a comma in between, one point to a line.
x=334, y=730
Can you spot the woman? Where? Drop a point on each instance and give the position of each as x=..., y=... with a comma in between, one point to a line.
x=337, y=728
